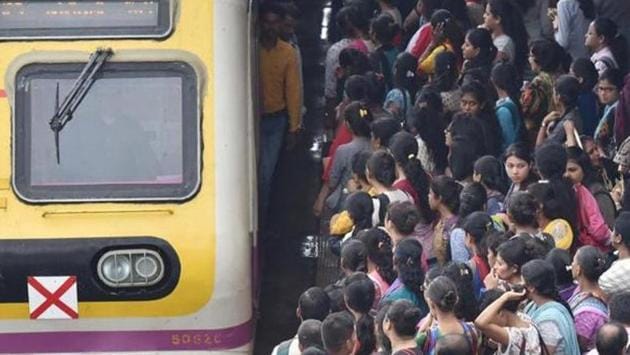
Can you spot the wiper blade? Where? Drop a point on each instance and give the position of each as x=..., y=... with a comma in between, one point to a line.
x=65, y=112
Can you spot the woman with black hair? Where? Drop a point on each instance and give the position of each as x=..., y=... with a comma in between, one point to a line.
x=502, y=322
x=383, y=129
x=504, y=19
x=609, y=47
x=519, y=167
x=545, y=59
x=461, y=157
x=432, y=150
x=444, y=201
x=383, y=29
x=412, y=178
x=399, y=100
x=476, y=102
x=441, y=296
x=380, y=267
x=587, y=304
x=571, y=25
x=506, y=81
x=561, y=261
x=444, y=81
x=551, y=315
x=488, y=171
x=472, y=199
x=357, y=118
x=608, y=91
x=358, y=293
x=399, y=325
x=582, y=173
x=478, y=51
x=584, y=70
x=381, y=174
x=511, y=256
x=565, y=94
x=462, y=276
x=353, y=257
x=478, y=226
x=408, y=284
x=447, y=37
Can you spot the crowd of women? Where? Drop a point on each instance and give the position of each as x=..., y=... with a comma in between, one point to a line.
x=474, y=188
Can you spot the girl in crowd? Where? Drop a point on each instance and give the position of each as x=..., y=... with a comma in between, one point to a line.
x=357, y=118
x=382, y=131
x=561, y=261
x=518, y=161
x=353, y=257
x=444, y=201
x=522, y=212
x=360, y=210
x=501, y=322
x=565, y=95
x=462, y=276
x=572, y=23
x=447, y=37
x=408, y=284
x=472, y=199
x=399, y=100
x=607, y=44
x=584, y=70
x=478, y=51
x=595, y=214
x=358, y=293
x=461, y=157
x=444, y=81
x=381, y=174
x=506, y=81
x=401, y=220
x=399, y=326
x=432, y=150
x=552, y=316
x=509, y=35
x=545, y=60
x=477, y=226
x=412, y=178
x=383, y=30
x=475, y=101
x=489, y=172
x=608, y=90
x=589, y=309
x=441, y=295
x=379, y=260
x=511, y=256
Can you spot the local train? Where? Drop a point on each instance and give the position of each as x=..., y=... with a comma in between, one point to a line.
x=127, y=176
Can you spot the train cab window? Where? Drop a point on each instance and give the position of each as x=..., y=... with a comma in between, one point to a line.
x=51, y=19
x=134, y=136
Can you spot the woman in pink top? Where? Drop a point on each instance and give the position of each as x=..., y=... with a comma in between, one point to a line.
x=592, y=227
x=379, y=261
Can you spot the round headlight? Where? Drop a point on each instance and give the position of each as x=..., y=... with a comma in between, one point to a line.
x=146, y=266
x=116, y=268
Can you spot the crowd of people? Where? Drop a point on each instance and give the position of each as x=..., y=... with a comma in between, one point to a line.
x=476, y=186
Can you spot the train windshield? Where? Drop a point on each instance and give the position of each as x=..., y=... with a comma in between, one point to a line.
x=134, y=135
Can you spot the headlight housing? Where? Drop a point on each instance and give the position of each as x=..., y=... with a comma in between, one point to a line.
x=130, y=268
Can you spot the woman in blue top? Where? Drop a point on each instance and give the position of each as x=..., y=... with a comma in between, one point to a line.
x=551, y=315
x=408, y=284
x=506, y=81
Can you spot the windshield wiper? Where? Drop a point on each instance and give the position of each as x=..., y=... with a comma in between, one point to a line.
x=65, y=111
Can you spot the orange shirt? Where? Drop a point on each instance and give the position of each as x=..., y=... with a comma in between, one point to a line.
x=280, y=82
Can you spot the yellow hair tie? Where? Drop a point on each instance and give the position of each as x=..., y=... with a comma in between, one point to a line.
x=363, y=112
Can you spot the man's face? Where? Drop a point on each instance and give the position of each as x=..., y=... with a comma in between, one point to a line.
x=287, y=29
x=270, y=25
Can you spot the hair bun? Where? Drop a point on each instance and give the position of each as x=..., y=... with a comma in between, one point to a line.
x=449, y=300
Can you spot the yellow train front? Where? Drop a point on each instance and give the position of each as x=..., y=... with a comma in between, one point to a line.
x=125, y=176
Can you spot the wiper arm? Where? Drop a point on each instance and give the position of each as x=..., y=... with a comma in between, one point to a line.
x=65, y=112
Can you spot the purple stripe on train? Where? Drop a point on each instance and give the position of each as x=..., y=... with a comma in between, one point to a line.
x=211, y=339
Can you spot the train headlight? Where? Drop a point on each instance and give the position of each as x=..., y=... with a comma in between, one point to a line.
x=130, y=268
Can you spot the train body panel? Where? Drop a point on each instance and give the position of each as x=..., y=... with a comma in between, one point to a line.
x=209, y=307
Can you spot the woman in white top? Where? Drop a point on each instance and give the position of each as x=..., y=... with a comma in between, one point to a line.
x=607, y=44
x=514, y=332
x=571, y=25
x=504, y=20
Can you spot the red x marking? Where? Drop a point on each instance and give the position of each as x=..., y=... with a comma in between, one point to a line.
x=53, y=298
